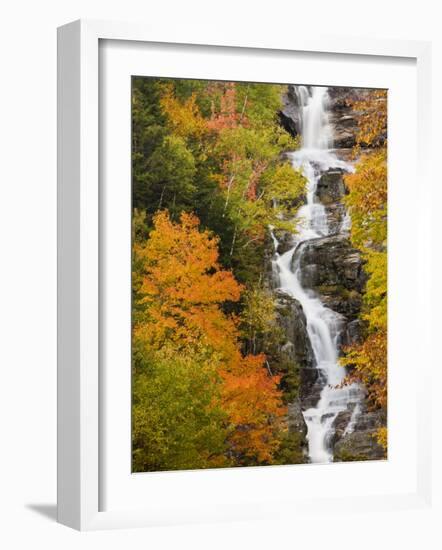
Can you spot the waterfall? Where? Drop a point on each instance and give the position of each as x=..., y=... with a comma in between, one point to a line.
x=323, y=325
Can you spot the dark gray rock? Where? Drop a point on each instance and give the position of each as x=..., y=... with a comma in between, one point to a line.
x=271, y=276
x=291, y=318
x=361, y=443
x=289, y=115
x=340, y=424
x=344, y=138
x=331, y=261
x=335, y=216
x=353, y=333
x=333, y=269
x=285, y=240
x=343, y=117
x=370, y=420
x=296, y=422
x=330, y=188
x=330, y=192
x=358, y=445
x=346, y=303
x=311, y=397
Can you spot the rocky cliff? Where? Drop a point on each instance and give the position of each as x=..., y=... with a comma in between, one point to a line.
x=334, y=270
x=343, y=116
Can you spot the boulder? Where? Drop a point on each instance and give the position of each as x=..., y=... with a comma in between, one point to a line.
x=370, y=420
x=347, y=303
x=330, y=188
x=331, y=261
x=270, y=270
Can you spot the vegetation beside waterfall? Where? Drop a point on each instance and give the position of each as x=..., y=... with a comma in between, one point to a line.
x=209, y=178
x=367, y=201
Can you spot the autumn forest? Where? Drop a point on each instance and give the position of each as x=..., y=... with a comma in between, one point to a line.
x=259, y=274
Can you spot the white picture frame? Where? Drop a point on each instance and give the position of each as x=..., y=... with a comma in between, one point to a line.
x=79, y=265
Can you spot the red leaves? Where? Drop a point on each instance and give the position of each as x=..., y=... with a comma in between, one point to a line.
x=226, y=116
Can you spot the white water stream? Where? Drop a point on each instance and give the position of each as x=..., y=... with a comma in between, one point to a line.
x=323, y=325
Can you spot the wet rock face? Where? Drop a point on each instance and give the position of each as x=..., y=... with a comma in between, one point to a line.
x=329, y=261
x=330, y=192
x=333, y=269
x=296, y=422
x=290, y=113
x=352, y=333
x=291, y=318
x=340, y=424
x=312, y=393
x=298, y=350
x=330, y=188
x=285, y=241
x=359, y=445
x=343, y=116
x=335, y=217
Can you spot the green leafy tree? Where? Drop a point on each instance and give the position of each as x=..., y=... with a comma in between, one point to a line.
x=178, y=423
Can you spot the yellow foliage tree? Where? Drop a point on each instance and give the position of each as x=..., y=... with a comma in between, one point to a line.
x=184, y=116
x=367, y=201
x=372, y=121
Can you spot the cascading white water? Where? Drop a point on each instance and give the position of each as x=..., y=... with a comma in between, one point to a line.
x=323, y=324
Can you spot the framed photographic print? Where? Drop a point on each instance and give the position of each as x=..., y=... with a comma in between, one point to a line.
x=233, y=262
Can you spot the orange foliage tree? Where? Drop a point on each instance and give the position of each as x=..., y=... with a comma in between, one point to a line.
x=180, y=289
x=254, y=407
x=372, y=121
x=182, y=286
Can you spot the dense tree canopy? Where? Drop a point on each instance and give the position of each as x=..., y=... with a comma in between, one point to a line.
x=208, y=180
x=215, y=148
x=211, y=381
x=198, y=400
